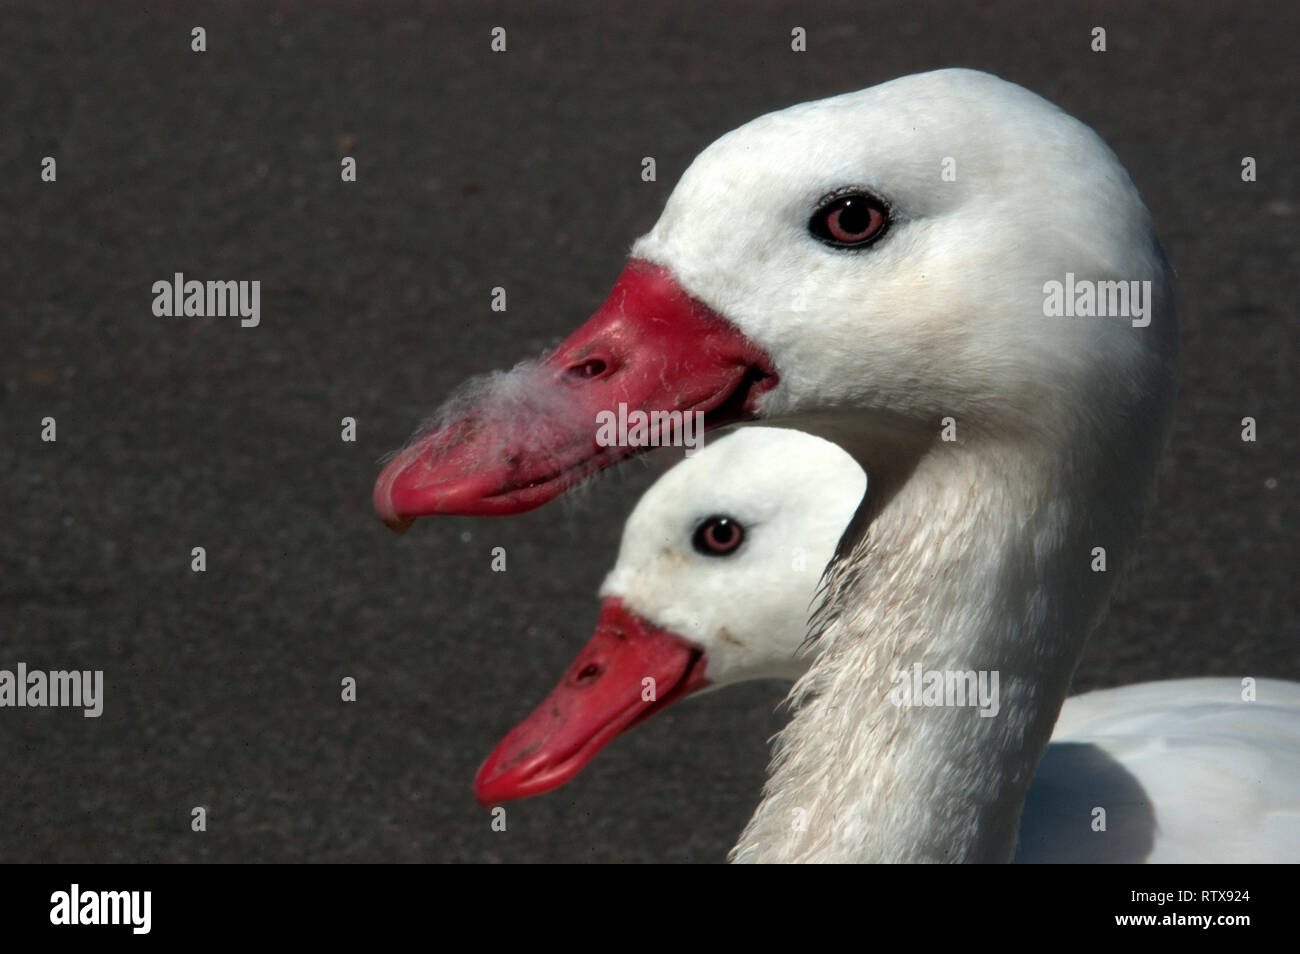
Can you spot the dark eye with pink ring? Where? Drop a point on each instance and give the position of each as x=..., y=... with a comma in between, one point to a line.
x=849, y=220
x=718, y=536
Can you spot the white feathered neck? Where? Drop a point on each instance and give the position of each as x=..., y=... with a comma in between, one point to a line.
x=973, y=554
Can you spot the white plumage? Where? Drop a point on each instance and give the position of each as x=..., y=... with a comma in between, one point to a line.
x=1011, y=451
x=1184, y=771
x=1187, y=770
x=971, y=553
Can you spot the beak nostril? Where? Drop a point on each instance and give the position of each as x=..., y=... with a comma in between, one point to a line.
x=588, y=673
x=587, y=370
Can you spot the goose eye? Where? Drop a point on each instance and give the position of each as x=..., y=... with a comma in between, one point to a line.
x=718, y=536
x=849, y=221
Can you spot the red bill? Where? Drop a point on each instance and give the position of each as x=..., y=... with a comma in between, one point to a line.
x=603, y=693
x=650, y=347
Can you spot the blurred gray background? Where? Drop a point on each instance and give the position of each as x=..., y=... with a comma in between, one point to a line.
x=477, y=170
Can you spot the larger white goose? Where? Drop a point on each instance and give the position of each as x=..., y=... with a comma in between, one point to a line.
x=873, y=268
x=721, y=556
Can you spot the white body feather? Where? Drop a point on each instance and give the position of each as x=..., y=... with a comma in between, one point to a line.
x=1178, y=771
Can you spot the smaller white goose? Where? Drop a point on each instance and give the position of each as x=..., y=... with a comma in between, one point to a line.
x=717, y=570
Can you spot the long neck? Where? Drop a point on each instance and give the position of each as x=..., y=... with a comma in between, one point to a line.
x=981, y=561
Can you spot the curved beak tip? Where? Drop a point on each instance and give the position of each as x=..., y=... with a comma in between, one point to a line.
x=484, y=790
x=399, y=525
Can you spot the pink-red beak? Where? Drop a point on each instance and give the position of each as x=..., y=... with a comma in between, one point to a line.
x=627, y=672
x=649, y=347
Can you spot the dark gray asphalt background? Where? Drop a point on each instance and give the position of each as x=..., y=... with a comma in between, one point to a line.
x=477, y=170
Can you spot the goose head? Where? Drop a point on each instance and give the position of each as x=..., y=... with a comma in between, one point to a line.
x=861, y=267
x=715, y=576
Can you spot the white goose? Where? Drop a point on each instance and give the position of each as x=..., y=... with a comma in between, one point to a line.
x=721, y=555
x=875, y=269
